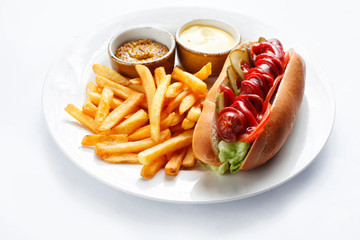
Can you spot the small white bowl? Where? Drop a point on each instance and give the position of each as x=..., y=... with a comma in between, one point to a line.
x=193, y=60
x=155, y=34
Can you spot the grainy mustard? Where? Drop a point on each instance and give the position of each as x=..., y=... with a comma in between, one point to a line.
x=139, y=51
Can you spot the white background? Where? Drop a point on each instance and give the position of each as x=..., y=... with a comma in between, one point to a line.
x=45, y=196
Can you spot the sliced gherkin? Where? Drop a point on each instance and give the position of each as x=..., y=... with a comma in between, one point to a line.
x=261, y=39
x=237, y=57
x=220, y=102
x=232, y=77
x=248, y=50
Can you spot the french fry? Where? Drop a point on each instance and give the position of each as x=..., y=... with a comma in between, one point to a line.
x=173, y=165
x=95, y=99
x=128, y=106
x=129, y=147
x=187, y=124
x=119, y=90
x=159, y=73
x=182, y=140
x=91, y=140
x=167, y=121
x=175, y=102
x=129, y=158
x=135, y=81
x=84, y=119
x=104, y=106
x=129, y=125
x=174, y=89
x=169, y=155
x=157, y=106
x=147, y=82
x=194, y=113
x=195, y=84
x=187, y=103
x=204, y=72
x=116, y=77
x=110, y=74
x=149, y=171
x=189, y=160
x=89, y=109
x=90, y=88
x=177, y=118
x=145, y=131
x=137, y=87
x=176, y=128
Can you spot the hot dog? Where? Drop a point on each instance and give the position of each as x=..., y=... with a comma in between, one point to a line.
x=250, y=110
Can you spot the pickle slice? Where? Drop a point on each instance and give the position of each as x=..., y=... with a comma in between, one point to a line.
x=261, y=39
x=237, y=57
x=232, y=77
x=220, y=102
x=248, y=50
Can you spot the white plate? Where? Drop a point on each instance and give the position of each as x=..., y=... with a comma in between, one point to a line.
x=66, y=81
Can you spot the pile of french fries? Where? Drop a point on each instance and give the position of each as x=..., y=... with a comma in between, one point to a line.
x=147, y=120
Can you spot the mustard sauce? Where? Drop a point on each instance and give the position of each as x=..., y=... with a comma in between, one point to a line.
x=139, y=51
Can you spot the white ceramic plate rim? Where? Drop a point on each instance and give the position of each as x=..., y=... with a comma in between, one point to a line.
x=66, y=80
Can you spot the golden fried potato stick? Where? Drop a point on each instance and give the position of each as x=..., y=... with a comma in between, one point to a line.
x=145, y=132
x=175, y=143
x=128, y=106
x=194, y=113
x=128, y=158
x=194, y=83
x=91, y=87
x=136, y=81
x=147, y=82
x=173, y=165
x=149, y=171
x=175, y=102
x=177, y=118
x=157, y=106
x=176, y=128
x=159, y=73
x=115, y=77
x=169, y=155
x=129, y=147
x=95, y=99
x=129, y=125
x=187, y=103
x=189, y=160
x=89, y=108
x=174, y=89
x=91, y=140
x=187, y=124
x=119, y=90
x=110, y=74
x=84, y=119
x=204, y=72
x=104, y=106
x=137, y=87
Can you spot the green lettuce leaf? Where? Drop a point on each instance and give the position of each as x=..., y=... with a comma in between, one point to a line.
x=233, y=154
x=222, y=169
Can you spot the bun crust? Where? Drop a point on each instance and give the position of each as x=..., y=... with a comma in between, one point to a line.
x=284, y=109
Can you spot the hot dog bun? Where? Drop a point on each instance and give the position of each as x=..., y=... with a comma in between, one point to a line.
x=285, y=106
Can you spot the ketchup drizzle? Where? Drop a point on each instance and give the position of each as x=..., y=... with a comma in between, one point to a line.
x=251, y=108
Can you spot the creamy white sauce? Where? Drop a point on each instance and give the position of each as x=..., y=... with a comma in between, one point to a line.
x=207, y=39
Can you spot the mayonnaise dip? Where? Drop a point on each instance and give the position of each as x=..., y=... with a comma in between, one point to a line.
x=207, y=39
